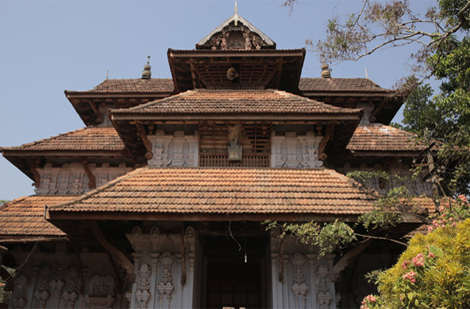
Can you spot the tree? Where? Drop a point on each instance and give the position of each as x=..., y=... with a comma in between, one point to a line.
x=441, y=39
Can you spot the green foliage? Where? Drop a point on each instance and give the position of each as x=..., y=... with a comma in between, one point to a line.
x=328, y=237
x=434, y=272
x=3, y=202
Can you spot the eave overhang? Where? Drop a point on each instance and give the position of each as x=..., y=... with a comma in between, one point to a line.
x=262, y=69
x=87, y=103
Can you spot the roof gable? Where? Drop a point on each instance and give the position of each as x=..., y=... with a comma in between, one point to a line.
x=236, y=33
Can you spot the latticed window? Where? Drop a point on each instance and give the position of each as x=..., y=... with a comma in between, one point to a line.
x=255, y=141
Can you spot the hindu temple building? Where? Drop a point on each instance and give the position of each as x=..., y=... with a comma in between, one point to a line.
x=158, y=201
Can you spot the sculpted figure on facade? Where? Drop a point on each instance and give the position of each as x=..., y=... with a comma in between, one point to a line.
x=100, y=292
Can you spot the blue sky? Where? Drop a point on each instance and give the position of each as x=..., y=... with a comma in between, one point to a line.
x=50, y=46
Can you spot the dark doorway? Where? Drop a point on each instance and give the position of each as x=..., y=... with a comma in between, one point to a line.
x=230, y=280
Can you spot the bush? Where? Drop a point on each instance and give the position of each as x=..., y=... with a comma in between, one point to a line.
x=434, y=272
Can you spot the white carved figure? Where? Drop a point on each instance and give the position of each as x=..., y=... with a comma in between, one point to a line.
x=324, y=296
x=143, y=287
x=165, y=287
x=299, y=287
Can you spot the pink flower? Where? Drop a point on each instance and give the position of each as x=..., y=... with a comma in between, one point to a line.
x=410, y=276
x=371, y=298
x=431, y=255
x=405, y=263
x=418, y=260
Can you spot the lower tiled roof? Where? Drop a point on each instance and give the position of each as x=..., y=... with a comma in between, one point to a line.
x=227, y=191
x=25, y=216
x=380, y=137
x=85, y=139
x=320, y=84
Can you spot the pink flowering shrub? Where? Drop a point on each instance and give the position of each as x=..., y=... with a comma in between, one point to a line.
x=369, y=300
x=434, y=272
x=450, y=213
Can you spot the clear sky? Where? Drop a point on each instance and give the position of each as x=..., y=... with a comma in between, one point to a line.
x=50, y=46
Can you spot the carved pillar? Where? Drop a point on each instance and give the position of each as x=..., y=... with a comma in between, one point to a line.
x=19, y=300
x=312, y=258
x=143, y=287
x=299, y=287
x=165, y=287
x=324, y=297
x=42, y=294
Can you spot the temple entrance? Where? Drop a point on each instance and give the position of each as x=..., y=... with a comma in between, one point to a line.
x=231, y=281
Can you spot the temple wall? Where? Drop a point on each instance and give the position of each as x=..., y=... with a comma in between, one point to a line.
x=292, y=150
x=73, y=179
x=176, y=149
x=66, y=280
x=299, y=279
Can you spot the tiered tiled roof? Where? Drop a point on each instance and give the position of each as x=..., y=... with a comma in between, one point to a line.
x=236, y=102
x=25, y=216
x=132, y=85
x=380, y=137
x=339, y=84
x=85, y=139
x=166, y=85
x=226, y=191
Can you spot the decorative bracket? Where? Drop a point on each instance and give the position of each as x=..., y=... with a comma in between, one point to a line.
x=33, y=164
x=98, y=113
x=321, y=148
x=91, y=177
x=145, y=140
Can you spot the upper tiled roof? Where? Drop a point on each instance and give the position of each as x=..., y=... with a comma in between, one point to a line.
x=380, y=137
x=339, y=84
x=85, y=139
x=25, y=216
x=226, y=191
x=132, y=85
x=166, y=85
x=236, y=101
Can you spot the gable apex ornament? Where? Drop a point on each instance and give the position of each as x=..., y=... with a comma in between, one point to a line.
x=236, y=33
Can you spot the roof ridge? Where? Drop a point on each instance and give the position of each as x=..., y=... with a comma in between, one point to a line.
x=99, y=189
